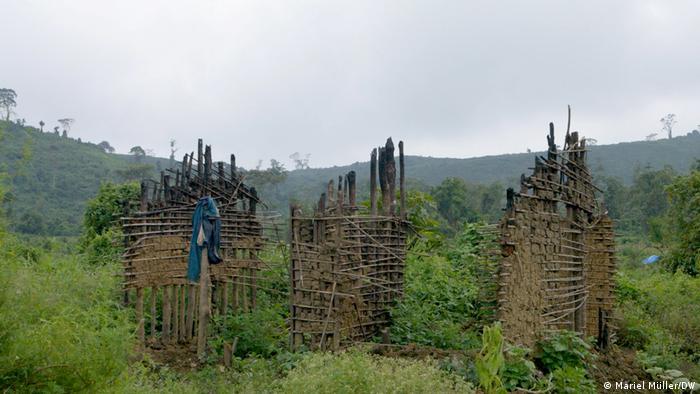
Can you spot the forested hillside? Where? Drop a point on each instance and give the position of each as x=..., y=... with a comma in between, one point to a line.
x=50, y=177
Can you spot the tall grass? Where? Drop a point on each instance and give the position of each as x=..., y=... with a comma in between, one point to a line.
x=61, y=326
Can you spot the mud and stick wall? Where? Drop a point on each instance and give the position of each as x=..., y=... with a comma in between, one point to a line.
x=557, y=250
x=347, y=265
x=156, y=241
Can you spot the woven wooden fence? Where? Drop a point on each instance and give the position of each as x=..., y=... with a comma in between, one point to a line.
x=347, y=264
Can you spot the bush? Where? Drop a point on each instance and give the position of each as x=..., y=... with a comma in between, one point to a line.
x=357, y=372
x=563, y=349
x=441, y=305
x=660, y=315
x=100, y=222
x=570, y=379
x=61, y=328
x=490, y=362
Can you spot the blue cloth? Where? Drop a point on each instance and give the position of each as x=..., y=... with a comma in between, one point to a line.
x=205, y=218
x=651, y=259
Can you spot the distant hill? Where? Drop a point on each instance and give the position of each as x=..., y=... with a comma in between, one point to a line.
x=52, y=177
x=616, y=160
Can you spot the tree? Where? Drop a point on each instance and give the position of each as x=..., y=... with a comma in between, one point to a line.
x=667, y=123
x=65, y=134
x=7, y=101
x=55, y=130
x=300, y=163
x=646, y=199
x=138, y=153
x=173, y=150
x=41, y=124
x=274, y=175
x=683, y=220
x=66, y=123
x=105, y=146
x=454, y=202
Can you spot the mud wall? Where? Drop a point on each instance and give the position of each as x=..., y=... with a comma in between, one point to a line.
x=557, y=250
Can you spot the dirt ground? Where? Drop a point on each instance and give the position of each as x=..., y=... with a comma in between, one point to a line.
x=617, y=365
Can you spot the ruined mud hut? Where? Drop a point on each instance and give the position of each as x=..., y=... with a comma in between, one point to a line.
x=558, y=256
x=169, y=308
x=347, y=263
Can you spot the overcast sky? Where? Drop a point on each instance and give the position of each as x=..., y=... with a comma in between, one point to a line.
x=333, y=78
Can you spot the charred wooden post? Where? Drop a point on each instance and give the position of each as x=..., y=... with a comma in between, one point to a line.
x=351, y=189
x=340, y=195
x=402, y=183
x=200, y=157
x=390, y=167
x=233, y=167
x=373, y=182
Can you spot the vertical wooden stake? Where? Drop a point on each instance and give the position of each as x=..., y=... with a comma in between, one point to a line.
x=204, y=305
x=351, y=189
x=373, y=182
x=183, y=327
x=154, y=313
x=402, y=186
x=176, y=308
x=139, y=316
x=200, y=153
x=190, y=312
x=166, y=314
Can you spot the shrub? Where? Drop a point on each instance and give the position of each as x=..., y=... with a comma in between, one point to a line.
x=357, y=372
x=441, y=304
x=563, y=349
x=518, y=371
x=570, y=379
x=61, y=328
x=490, y=362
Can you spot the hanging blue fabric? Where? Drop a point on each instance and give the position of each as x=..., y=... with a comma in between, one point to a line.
x=205, y=219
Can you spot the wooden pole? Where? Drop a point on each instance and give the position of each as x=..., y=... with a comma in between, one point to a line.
x=351, y=189
x=189, y=326
x=402, y=183
x=373, y=182
x=200, y=153
x=166, y=314
x=390, y=168
x=204, y=305
x=139, y=317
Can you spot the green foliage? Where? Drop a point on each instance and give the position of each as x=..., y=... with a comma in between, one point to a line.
x=61, y=328
x=684, y=223
x=262, y=331
x=101, y=219
x=518, y=371
x=459, y=202
x=490, y=361
x=357, y=372
x=563, y=349
x=441, y=304
x=662, y=318
x=49, y=179
x=111, y=202
x=570, y=379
